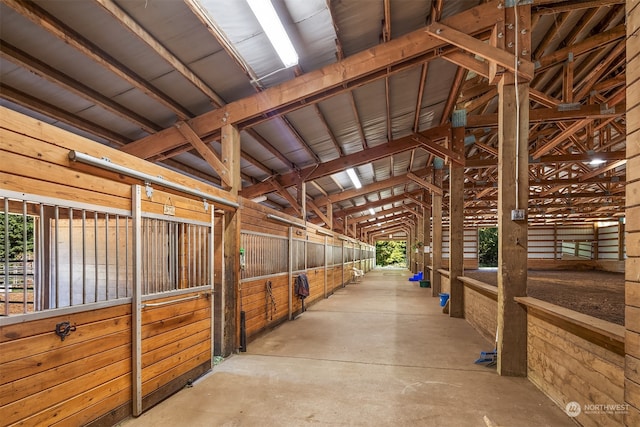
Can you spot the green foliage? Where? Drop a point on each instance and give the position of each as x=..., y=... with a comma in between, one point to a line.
x=17, y=249
x=488, y=247
x=391, y=252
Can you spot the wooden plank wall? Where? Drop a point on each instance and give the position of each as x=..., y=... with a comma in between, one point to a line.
x=632, y=288
x=568, y=368
x=72, y=381
x=481, y=308
x=176, y=341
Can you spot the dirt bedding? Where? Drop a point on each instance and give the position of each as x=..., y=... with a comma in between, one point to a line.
x=596, y=293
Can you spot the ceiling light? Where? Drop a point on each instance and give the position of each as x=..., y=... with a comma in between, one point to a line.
x=371, y=211
x=272, y=27
x=596, y=162
x=354, y=178
x=259, y=199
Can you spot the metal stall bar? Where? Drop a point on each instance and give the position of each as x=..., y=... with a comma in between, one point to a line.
x=70, y=257
x=6, y=256
x=56, y=255
x=25, y=284
x=96, y=287
x=211, y=260
x=84, y=256
x=106, y=257
x=40, y=261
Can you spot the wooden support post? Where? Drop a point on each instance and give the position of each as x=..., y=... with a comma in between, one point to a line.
x=436, y=208
x=420, y=238
x=513, y=193
x=427, y=229
x=231, y=277
x=330, y=215
x=512, y=235
x=632, y=215
x=456, y=227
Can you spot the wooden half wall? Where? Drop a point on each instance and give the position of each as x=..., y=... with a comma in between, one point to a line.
x=571, y=357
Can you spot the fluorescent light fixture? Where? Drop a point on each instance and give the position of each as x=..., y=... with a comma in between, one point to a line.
x=272, y=27
x=104, y=163
x=371, y=211
x=259, y=199
x=596, y=162
x=354, y=178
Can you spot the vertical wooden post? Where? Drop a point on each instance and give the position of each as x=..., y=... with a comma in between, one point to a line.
x=456, y=225
x=512, y=235
x=330, y=215
x=436, y=208
x=513, y=193
x=632, y=215
x=420, y=238
x=427, y=229
x=231, y=246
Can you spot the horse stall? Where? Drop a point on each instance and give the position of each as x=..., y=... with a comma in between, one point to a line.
x=277, y=249
x=107, y=292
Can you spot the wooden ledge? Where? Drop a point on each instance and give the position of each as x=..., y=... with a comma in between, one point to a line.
x=481, y=287
x=600, y=332
x=443, y=272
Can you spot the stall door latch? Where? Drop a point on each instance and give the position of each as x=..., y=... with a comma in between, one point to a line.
x=63, y=329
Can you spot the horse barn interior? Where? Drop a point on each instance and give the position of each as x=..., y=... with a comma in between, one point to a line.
x=168, y=177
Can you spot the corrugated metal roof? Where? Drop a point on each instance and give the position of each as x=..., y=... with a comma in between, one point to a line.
x=225, y=47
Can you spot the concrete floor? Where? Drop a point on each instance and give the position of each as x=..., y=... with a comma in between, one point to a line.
x=376, y=353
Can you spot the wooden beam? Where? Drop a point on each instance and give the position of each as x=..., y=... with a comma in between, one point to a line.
x=603, y=169
x=595, y=42
x=351, y=160
x=454, y=94
x=371, y=188
x=418, y=201
x=425, y=184
x=550, y=115
x=572, y=5
x=318, y=212
x=483, y=50
x=205, y=151
x=560, y=138
x=439, y=150
x=468, y=62
x=127, y=22
x=286, y=195
x=230, y=155
x=357, y=69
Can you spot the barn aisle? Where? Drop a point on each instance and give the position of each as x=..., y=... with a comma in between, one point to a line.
x=376, y=353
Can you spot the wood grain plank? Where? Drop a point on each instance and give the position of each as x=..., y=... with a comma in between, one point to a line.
x=34, y=383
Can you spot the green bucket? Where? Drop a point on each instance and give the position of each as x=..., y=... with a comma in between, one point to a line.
x=425, y=284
